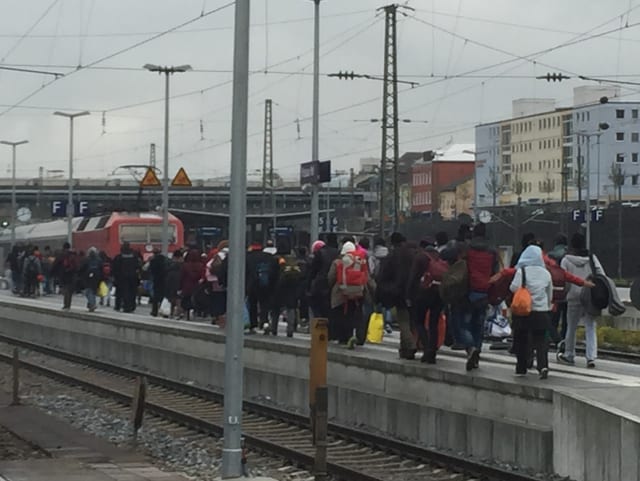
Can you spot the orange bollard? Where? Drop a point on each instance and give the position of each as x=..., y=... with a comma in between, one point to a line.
x=317, y=363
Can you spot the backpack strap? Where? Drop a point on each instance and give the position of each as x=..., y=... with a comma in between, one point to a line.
x=524, y=277
x=592, y=263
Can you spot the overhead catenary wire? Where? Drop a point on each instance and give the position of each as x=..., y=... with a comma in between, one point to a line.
x=116, y=53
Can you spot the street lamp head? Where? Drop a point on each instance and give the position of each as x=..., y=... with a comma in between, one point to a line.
x=151, y=68
x=181, y=68
x=72, y=116
x=6, y=142
x=603, y=126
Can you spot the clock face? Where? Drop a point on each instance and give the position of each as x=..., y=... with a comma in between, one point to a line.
x=485, y=217
x=23, y=214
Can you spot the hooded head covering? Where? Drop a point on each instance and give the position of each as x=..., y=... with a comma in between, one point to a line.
x=347, y=248
x=316, y=246
x=531, y=256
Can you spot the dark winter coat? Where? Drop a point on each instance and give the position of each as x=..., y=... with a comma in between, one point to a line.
x=254, y=259
x=394, y=277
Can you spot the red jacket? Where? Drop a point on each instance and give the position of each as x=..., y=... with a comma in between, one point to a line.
x=568, y=276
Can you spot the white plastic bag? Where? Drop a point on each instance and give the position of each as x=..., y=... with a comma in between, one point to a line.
x=497, y=327
x=165, y=308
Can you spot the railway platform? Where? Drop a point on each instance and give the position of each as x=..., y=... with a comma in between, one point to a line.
x=580, y=423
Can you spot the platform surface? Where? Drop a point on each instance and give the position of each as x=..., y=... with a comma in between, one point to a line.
x=612, y=383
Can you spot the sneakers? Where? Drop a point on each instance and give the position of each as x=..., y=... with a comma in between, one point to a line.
x=544, y=373
x=562, y=358
x=351, y=343
x=521, y=373
x=388, y=329
x=591, y=364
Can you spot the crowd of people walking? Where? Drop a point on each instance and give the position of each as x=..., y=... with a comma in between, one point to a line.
x=437, y=291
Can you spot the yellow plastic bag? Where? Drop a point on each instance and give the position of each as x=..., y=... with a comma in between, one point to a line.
x=103, y=290
x=375, y=332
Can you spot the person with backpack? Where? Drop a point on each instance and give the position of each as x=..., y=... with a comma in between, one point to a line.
x=91, y=274
x=288, y=289
x=391, y=290
x=559, y=315
x=65, y=270
x=158, y=271
x=31, y=270
x=423, y=296
x=580, y=262
x=380, y=251
x=350, y=285
x=213, y=276
x=482, y=264
x=126, y=275
x=531, y=315
x=107, y=278
x=190, y=276
x=319, y=292
x=262, y=271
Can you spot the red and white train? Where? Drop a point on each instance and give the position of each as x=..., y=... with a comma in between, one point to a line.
x=107, y=232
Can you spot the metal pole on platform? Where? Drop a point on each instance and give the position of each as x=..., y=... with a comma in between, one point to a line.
x=14, y=206
x=167, y=71
x=315, y=145
x=233, y=367
x=70, y=191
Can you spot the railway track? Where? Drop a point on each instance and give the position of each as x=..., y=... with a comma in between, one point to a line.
x=354, y=455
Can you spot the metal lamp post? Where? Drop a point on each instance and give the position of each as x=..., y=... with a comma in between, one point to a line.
x=601, y=127
x=232, y=465
x=167, y=71
x=13, y=185
x=71, y=117
x=315, y=138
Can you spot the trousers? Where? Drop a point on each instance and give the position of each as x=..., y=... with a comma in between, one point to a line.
x=577, y=314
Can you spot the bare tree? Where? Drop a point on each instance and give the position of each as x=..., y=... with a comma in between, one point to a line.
x=547, y=186
x=617, y=176
x=494, y=184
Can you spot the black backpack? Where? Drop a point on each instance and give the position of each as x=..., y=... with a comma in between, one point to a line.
x=31, y=268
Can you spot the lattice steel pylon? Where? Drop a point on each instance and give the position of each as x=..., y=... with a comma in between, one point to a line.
x=267, y=159
x=390, y=138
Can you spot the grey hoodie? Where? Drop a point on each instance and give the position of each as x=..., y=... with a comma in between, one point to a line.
x=379, y=253
x=579, y=266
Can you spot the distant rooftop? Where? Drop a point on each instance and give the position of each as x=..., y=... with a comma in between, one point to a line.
x=456, y=153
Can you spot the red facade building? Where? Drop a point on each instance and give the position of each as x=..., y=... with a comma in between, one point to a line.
x=438, y=170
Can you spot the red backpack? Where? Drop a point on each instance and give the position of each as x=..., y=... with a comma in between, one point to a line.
x=436, y=269
x=558, y=280
x=352, y=276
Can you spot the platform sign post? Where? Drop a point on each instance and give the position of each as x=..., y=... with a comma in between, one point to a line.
x=321, y=427
x=318, y=359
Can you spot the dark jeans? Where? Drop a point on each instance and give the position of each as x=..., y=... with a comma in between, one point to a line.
x=67, y=294
x=428, y=338
x=559, y=321
x=129, y=292
x=472, y=327
x=262, y=301
x=344, y=319
x=524, y=341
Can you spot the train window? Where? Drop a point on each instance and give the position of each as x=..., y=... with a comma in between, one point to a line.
x=133, y=233
x=145, y=234
x=155, y=233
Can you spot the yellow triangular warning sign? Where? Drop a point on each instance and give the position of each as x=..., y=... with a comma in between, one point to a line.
x=181, y=179
x=150, y=179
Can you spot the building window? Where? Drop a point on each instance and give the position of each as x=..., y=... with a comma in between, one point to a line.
x=620, y=158
x=634, y=179
x=619, y=136
x=588, y=116
x=635, y=136
x=634, y=157
x=634, y=114
x=620, y=114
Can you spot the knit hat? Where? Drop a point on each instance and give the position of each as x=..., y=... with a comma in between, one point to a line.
x=347, y=247
x=316, y=246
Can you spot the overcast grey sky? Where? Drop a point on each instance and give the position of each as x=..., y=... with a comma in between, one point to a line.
x=440, y=38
